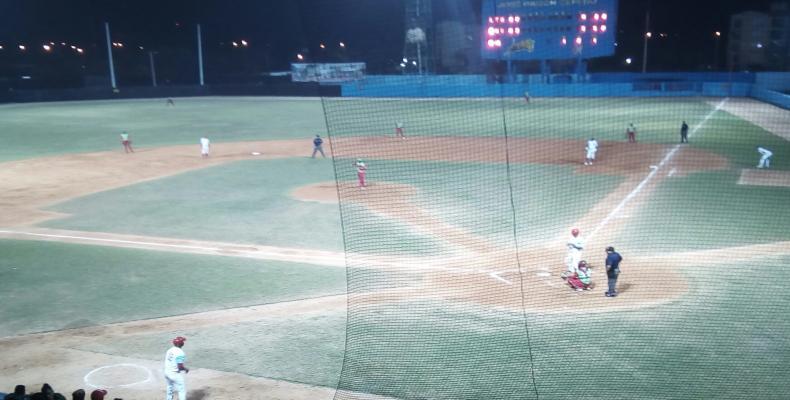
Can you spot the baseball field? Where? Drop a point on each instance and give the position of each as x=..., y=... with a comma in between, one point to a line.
x=439, y=280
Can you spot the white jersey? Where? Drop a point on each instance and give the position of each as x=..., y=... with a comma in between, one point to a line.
x=204, y=142
x=361, y=167
x=575, y=245
x=173, y=357
x=592, y=148
x=765, y=152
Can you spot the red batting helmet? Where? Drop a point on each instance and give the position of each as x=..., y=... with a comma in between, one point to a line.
x=179, y=341
x=575, y=232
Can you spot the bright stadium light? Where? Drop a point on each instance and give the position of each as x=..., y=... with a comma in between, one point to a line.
x=518, y=31
x=342, y=44
x=498, y=43
x=1, y=47
x=595, y=40
x=603, y=28
x=414, y=62
x=517, y=18
x=490, y=43
x=604, y=16
x=47, y=47
x=595, y=28
x=22, y=47
x=564, y=41
x=73, y=47
x=79, y=50
x=403, y=65
x=235, y=44
x=649, y=35
x=583, y=17
x=578, y=40
x=583, y=28
x=628, y=60
x=510, y=31
x=510, y=19
x=491, y=31
x=596, y=16
x=717, y=33
x=323, y=46
x=300, y=57
x=244, y=43
x=405, y=59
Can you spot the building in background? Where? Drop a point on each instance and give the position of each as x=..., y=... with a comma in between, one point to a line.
x=759, y=41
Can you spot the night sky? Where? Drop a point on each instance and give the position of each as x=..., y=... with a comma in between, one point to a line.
x=277, y=30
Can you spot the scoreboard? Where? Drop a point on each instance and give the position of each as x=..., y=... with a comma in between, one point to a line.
x=548, y=29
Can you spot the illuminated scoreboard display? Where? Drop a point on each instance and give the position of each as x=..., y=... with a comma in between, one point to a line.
x=548, y=29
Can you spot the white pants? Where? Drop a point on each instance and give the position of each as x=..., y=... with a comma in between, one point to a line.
x=572, y=260
x=204, y=150
x=175, y=383
x=591, y=154
x=765, y=162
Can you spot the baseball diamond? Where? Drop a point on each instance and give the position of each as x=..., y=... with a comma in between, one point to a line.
x=290, y=281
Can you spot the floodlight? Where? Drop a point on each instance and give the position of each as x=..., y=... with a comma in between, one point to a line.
x=583, y=17
x=595, y=28
x=46, y=47
x=22, y=47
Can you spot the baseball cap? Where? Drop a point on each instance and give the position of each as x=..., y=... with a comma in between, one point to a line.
x=610, y=248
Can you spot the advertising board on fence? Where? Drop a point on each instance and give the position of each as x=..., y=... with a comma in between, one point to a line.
x=335, y=72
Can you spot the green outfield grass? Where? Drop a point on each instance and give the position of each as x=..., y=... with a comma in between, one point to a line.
x=51, y=286
x=708, y=210
x=40, y=129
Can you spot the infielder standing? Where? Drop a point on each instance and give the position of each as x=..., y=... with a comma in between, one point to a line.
x=592, y=148
x=127, y=144
x=765, y=160
x=630, y=132
x=204, y=146
x=174, y=366
x=317, y=143
x=399, y=130
x=361, y=171
x=575, y=247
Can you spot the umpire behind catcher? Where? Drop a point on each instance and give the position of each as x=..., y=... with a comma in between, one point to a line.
x=613, y=259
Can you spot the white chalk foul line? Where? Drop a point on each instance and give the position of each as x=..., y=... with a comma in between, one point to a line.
x=652, y=173
x=495, y=275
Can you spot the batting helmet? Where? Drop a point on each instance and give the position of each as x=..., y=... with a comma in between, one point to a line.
x=575, y=232
x=179, y=341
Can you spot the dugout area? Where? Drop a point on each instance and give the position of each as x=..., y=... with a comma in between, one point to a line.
x=439, y=280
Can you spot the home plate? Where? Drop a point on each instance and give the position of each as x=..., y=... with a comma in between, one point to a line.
x=255, y=153
x=543, y=274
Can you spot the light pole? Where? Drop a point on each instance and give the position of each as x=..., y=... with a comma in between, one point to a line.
x=109, y=54
x=717, y=39
x=648, y=35
x=153, y=67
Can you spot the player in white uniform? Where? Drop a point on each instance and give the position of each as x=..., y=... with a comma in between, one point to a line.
x=765, y=160
x=592, y=148
x=175, y=369
x=204, y=146
x=575, y=247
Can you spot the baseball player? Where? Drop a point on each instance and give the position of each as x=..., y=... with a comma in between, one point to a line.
x=127, y=144
x=630, y=132
x=575, y=247
x=399, y=130
x=582, y=279
x=317, y=143
x=613, y=260
x=526, y=97
x=175, y=369
x=204, y=146
x=765, y=160
x=361, y=171
x=684, y=132
x=592, y=148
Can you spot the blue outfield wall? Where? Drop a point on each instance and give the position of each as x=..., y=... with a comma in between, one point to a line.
x=763, y=86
